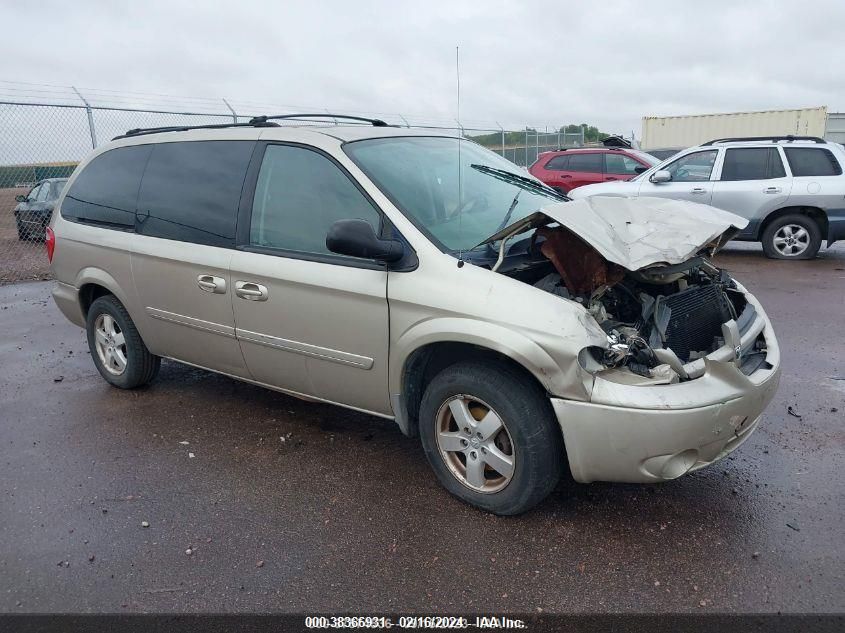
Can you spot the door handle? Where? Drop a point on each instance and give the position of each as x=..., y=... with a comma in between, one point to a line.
x=772, y=190
x=566, y=175
x=611, y=178
x=698, y=190
x=210, y=283
x=251, y=291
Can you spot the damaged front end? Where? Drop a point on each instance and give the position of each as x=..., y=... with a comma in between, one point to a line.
x=641, y=268
x=689, y=361
x=658, y=320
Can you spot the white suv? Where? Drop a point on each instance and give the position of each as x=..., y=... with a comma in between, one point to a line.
x=791, y=189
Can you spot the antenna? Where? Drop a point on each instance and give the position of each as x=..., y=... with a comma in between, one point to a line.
x=460, y=140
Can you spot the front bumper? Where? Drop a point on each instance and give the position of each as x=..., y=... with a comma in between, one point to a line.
x=647, y=434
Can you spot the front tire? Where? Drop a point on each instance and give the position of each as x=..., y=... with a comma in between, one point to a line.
x=491, y=437
x=119, y=354
x=794, y=236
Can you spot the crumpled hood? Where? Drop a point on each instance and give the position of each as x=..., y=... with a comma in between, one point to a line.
x=637, y=232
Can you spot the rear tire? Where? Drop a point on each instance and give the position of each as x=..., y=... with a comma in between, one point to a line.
x=794, y=236
x=119, y=354
x=521, y=462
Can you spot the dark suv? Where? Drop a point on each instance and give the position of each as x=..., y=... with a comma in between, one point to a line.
x=33, y=213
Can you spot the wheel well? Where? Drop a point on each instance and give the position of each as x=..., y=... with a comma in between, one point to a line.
x=815, y=213
x=427, y=361
x=89, y=293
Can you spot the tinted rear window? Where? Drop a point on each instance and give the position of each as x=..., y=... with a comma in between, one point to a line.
x=107, y=189
x=810, y=161
x=191, y=190
x=753, y=163
x=586, y=162
x=558, y=163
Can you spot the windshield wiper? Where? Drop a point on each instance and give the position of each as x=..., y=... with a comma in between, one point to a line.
x=506, y=219
x=524, y=182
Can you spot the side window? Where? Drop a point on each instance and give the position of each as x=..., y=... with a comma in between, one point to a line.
x=56, y=189
x=43, y=192
x=621, y=164
x=586, y=162
x=693, y=167
x=106, y=191
x=810, y=161
x=191, y=191
x=299, y=194
x=753, y=163
x=558, y=163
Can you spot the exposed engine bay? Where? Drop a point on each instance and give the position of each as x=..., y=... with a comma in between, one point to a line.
x=657, y=319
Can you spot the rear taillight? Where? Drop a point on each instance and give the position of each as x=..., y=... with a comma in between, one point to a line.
x=50, y=242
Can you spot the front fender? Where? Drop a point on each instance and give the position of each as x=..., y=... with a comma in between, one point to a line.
x=509, y=342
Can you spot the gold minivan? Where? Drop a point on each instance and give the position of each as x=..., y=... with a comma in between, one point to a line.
x=419, y=277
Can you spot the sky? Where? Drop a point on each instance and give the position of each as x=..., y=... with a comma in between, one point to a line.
x=606, y=63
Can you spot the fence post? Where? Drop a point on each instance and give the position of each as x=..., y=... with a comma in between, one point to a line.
x=558, y=138
x=232, y=110
x=503, y=138
x=526, y=146
x=90, y=118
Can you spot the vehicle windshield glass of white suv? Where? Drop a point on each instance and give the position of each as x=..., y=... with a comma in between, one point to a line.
x=420, y=176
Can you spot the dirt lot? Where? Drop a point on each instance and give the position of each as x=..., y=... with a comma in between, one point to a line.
x=18, y=260
x=289, y=506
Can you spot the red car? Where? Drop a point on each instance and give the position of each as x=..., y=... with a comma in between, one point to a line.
x=566, y=169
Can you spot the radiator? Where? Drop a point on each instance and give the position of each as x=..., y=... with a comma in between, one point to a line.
x=692, y=318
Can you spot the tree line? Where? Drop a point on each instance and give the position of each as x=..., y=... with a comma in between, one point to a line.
x=591, y=135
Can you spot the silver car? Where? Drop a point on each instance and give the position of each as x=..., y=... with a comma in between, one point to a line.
x=790, y=189
x=423, y=279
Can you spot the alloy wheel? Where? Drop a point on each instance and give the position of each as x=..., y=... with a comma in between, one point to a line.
x=110, y=344
x=475, y=444
x=791, y=240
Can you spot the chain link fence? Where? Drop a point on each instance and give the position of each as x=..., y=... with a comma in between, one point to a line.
x=43, y=142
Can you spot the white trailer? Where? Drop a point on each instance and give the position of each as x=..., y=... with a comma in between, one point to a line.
x=678, y=132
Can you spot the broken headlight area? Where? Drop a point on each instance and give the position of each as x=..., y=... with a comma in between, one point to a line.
x=658, y=319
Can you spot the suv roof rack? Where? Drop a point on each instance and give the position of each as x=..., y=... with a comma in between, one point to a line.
x=140, y=131
x=259, y=121
x=264, y=119
x=774, y=139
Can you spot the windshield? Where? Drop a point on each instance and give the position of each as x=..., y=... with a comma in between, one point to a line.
x=420, y=176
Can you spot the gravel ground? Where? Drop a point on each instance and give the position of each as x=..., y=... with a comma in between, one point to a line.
x=289, y=506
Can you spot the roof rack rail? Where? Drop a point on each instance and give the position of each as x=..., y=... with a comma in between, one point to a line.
x=264, y=119
x=774, y=139
x=259, y=121
x=140, y=131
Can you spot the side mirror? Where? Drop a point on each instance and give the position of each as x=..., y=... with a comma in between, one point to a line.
x=358, y=239
x=20, y=198
x=661, y=175
x=640, y=169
